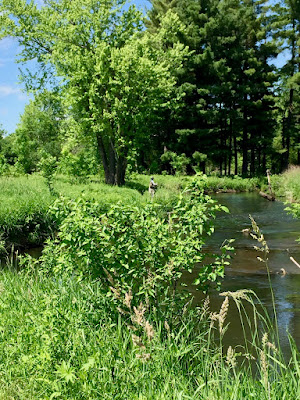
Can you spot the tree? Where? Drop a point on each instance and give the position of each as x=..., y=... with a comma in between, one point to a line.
x=113, y=76
x=39, y=130
x=2, y=133
x=288, y=30
x=227, y=81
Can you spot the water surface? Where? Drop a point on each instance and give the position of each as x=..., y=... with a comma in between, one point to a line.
x=245, y=272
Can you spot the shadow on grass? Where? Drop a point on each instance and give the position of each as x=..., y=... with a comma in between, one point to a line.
x=136, y=186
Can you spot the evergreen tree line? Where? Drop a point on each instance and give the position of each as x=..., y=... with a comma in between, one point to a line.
x=240, y=111
x=235, y=111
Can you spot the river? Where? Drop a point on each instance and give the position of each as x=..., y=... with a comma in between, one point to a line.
x=245, y=272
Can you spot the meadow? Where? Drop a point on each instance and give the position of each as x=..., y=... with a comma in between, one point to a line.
x=287, y=185
x=25, y=199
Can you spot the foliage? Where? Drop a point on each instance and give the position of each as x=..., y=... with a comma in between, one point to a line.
x=287, y=185
x=178, y=162
x=137, y=250
x=287, y=28
x=228, y=81
x=38, y=131
x=25, y=201
x=199, y=80
x=48, y=166
x=78, y=156
x=200, y=160
x=113, y=76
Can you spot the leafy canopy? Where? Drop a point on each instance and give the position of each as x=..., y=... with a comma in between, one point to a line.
x=115, y=77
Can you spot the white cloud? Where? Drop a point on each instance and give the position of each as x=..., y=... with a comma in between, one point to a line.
x=6, y=90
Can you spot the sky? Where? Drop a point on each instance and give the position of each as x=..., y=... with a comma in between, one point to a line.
x=12, y=95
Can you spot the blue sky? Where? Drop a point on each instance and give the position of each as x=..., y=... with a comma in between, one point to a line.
x=12, y=97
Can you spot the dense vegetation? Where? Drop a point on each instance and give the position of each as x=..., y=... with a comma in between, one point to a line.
x=189, y=89
x=191, y=86
x=104, y=312
x=25, y=200
x=60, y=341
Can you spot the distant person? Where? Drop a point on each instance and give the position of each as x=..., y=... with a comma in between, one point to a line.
x=152, y=188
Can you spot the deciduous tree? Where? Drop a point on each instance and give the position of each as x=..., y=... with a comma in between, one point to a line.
x=113, y=76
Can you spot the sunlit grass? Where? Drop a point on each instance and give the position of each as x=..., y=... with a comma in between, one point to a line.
x=287, y=185
x=25, y=200
x=59, y=340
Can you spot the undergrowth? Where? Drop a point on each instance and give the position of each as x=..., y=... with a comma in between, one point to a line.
x=25, y=200
x=86, y=324
x=287, y=185
x=60, y=340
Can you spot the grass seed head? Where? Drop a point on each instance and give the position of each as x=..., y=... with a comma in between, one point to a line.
x=167, y=326
x=231, y=357
x=128, y=298
x=223, y=314
x=138, y=316
x=149, y=330
x=264, y=368
x=144, y=357
x=137, y=341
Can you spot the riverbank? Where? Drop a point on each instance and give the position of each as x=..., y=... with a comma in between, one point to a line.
x=59, y=340
x=286, y=186
x=94, y=317
x=25, y=200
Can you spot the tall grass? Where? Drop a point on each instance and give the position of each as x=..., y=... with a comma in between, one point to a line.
x=210, y=183
x=25, y=200
x=287, y=185
x=59, y=340
x=62, y=339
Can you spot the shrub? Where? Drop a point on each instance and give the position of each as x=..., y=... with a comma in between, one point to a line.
x=136, y=249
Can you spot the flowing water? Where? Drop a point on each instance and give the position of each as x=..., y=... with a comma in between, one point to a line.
x=245, y=272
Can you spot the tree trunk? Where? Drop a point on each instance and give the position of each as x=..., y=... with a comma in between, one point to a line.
x=121, y=170
x=235, y=156
x=259, y=159
x=252, y=163
x=230, y=147
x=245, y=153
x=264, y=160
x=245, y=144
x=289, y=126
x=289, y=121
x=114, y=166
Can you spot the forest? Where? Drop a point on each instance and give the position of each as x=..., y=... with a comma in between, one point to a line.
x=191, y=85
x=184, y=288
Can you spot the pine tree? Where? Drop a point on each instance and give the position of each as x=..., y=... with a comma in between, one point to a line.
x=227, y=81
x=288, y=29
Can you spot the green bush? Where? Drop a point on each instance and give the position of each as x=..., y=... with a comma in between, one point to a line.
x=136, y=250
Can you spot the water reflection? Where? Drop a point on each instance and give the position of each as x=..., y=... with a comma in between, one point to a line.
x=246, y=272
